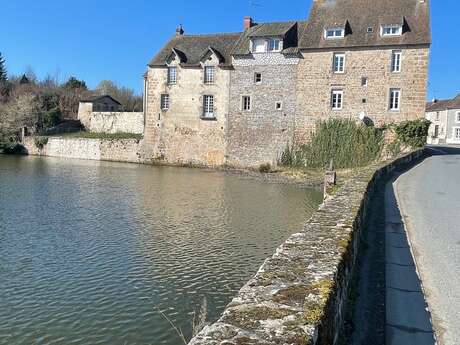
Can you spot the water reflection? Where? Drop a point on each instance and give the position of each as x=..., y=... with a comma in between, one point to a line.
x=88, y=249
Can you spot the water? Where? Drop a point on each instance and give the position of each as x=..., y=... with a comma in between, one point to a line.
x=88, y=250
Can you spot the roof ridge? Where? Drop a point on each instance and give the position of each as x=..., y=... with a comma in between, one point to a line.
x=214, y=34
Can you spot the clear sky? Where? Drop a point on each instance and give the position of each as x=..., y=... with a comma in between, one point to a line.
x=102, y=39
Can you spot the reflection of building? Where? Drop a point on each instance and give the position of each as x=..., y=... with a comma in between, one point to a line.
x=445, y=121
x=241, y=98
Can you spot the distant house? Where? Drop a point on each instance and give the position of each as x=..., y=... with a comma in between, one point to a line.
x=104, y=103
x=445, y=121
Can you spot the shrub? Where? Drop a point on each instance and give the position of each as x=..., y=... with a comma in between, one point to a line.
x=51, y=118
x=265, y=168
x=40, y=142
x=413, y=133
x=344, y=142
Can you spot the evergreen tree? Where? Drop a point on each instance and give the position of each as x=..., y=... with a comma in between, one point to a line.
x=24, y=80
x=73, y=83
x=3, y=73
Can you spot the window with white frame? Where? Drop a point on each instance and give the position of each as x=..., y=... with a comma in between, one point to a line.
x=336, y=99
x=274, y=45
x=259, y=46
x=391, y=30
x=396, y=61
x=457, y=117
x=395, y=99
x=339, y=63
x=164, y=101
x=209, y=73
x=258, y=78
x=172, y=75
x=457, y=133
x=208, y=106
x=246, y=103
x=334, y=33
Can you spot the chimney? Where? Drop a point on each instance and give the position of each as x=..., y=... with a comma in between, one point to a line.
x=248, y=23
x=180, y=30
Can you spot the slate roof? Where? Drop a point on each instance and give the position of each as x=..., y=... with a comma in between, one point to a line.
x=94, y=99
x=358, y=15
x=191, y=48
x=290, y=31
x=445, y=104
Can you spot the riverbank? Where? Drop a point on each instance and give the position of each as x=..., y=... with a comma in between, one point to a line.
x=303, y=293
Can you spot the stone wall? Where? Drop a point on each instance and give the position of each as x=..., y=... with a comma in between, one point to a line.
x=116, y=122
x=180, y=135
x=125, y=150
x=299, y=296
x=262, y=134
x=315, y=81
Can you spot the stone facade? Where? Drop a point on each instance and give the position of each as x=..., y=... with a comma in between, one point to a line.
x=316, y=80
x=261, y=134
x=180, y=134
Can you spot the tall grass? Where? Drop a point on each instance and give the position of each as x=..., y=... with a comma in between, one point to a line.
x=344, y=142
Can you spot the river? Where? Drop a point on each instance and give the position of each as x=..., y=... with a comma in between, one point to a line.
x=90, y=250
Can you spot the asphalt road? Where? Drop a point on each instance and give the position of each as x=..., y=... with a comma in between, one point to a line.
x=429, y=202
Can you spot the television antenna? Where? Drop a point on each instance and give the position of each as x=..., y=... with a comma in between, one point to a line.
x=253, y=5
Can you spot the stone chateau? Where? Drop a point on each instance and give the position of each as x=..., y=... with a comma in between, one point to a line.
x=241, y=98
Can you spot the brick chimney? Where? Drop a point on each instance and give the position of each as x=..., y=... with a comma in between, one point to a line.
x=180, y=30
x=248, y=23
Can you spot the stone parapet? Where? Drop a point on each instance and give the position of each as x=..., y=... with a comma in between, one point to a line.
x=299, y=296
x=116, y=122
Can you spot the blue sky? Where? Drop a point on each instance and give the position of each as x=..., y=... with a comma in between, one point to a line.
x=102, y=39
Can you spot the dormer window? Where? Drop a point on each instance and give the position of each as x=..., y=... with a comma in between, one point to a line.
x=334, y=33
x=259, y=46
x=391, y=30
x=274, y=45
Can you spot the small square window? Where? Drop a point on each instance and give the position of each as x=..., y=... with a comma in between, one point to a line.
x=364, y=81
x=364, y=100
x=370, y=30
x=279, y=105
x=258, y=78
x=246, y=103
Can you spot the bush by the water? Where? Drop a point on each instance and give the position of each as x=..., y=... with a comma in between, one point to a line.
x=412, y=133
x=344, y=142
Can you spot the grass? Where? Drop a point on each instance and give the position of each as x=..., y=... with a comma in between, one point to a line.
x=101, y=136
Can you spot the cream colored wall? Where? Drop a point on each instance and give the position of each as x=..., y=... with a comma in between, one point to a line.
x=179, y=135
x=84, y=113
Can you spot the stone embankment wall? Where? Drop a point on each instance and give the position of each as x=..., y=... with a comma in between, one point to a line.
x=120, y=150
x=299, y=296
x=103, y=122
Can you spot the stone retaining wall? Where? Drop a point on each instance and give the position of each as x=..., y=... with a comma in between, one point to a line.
x=299, y=296
x=120, y=150
x=116, y=122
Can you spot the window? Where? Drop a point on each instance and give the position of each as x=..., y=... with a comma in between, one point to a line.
x=370, y=30
x=246, y=103
x=209, y=74
x=437, y=116
x=208, y=106
x=364, y=81
x=259, y=46
x=436, y=131
x=172, y=75
x=396, y=61
x=334, y=33
x=395, y=99
x=279, y=105
x=337, y=99
x=258, y=78
x=339, y=63
x=274, y=45
x=164, y=103
x=457, y=117
x=391, y=30
x=457, y=133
